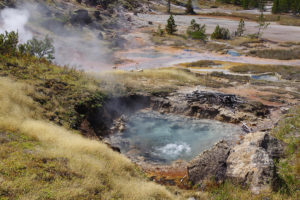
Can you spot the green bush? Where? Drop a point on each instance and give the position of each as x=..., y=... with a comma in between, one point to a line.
x=221, y=33
x=196, y=31
x=39, y=48
x=9, y=43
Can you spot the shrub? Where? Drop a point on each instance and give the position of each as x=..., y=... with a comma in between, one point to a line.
x=39, y=48
x=160, y=31
x=196, y=31
x=9, y=43
x=171, y=26
x=220, y=33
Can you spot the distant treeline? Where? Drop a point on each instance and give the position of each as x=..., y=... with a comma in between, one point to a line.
x=246, y=4
x=279, y=6
x=285, y=6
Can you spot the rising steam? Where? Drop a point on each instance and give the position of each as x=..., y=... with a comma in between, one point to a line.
x=15, y=20
x=76, y=47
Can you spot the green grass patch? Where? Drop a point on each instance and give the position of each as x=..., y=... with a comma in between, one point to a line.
x=288, y=168
x=281, y=54
x=201, y=63
x=287, y=72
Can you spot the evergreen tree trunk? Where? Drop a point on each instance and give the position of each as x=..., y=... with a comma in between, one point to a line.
x=169, y=6
x=189, y=7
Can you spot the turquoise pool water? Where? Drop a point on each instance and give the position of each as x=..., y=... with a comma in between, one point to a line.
x=165, y=138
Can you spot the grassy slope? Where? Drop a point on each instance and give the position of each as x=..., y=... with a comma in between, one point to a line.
x=47, y=160
x=40, y=160
x=57, y=89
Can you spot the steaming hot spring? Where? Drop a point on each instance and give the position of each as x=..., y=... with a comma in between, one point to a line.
x=164, y=138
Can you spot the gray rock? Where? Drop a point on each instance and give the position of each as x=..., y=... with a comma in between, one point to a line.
x=251, y=162
x=210, y=163
x=81, y=17
x=248, y=163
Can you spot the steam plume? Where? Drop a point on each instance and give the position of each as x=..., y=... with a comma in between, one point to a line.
x=15, y=20
x=77, y=47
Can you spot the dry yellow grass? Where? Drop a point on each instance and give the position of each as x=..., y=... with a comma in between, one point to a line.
x=97, y=166
x=150, y=80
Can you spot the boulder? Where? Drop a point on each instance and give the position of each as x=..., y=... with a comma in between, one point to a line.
x=210, y=163
x=248, y=163
x=251, y=162
x=81, y=17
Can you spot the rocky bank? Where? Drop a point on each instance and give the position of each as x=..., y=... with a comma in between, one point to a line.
x=249, y=163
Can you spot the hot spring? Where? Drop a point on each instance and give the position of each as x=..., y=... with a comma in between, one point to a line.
x=164, y=138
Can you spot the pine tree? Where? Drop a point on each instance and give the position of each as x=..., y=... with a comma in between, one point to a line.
x=171, y=26
x=189, y=7
x=295, y=7
x=245, y=4
x=262, y=24
x=236, y=2
x=284, y=5
x=275, y=7
x=241, y=28
x=254, y=4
